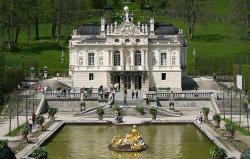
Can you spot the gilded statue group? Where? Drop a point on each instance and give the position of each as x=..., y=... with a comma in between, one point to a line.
x=132, y=141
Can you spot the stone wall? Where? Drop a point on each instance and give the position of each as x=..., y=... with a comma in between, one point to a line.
x=194, y=105
x=173, y=80
x=70, y=106
x=81, y=79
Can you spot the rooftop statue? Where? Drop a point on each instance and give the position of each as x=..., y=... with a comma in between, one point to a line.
x=132, y=142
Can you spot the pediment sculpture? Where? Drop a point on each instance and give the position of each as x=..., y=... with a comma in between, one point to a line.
x=127, y=28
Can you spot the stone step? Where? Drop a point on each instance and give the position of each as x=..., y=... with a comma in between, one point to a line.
x=130, y=102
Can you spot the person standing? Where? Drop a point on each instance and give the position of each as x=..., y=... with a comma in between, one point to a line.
x=136, y=93
x=200, y=117
x=133, y=93
x=125, y=97
x=113, y=94
x=30, y=125
x=125, y=100
x=33, y=119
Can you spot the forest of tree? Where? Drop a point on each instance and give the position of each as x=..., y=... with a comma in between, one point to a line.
x=26, y=16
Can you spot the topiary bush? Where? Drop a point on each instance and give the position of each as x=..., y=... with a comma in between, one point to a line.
x=40, y=153
x=231, y=127
x=116, y=108
x=100, y=112
x=205, y=111
x=217, y=120
x=217, y=153
x=5, y=151
x=140, y=109
x=40, y=120
x=3, y=143
x=245, y=154
x=25, y=131
x=52, y=112
x=153, y=112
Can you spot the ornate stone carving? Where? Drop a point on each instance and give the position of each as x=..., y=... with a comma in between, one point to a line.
x=127, y=28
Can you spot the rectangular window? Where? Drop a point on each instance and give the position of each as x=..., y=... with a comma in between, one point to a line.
x=163, y=76
x=91, y=76
x=163, y=58
x=91, y=59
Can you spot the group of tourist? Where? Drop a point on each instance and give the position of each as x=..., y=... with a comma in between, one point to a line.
x=125, y=95
x=32, y=122
x=199, y=118
x=135, y=93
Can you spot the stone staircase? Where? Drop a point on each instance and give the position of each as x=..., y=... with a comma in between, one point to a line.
x=227, y=106
x=22, y=106
x=119, y=99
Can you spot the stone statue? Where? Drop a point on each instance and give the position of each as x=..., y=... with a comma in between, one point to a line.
x=126, y=9
x=128, y=63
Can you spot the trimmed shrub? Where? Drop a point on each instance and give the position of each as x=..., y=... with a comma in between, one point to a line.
x=231, y=127
x=40, y=153
x=5, y=150
x=217, y=120
x=52, y=112
x=40, y=120
x=116, y=108
x=100, y=112
x=25, y=131
x=245, y=154
x=217, y=153
x=153, y=112
x=140, y=109
x=205, y=111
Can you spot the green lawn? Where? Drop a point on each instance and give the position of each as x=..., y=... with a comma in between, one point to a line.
x=211, y=39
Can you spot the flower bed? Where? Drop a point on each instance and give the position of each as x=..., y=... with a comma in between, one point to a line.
x=35, y=134
x=239, y=145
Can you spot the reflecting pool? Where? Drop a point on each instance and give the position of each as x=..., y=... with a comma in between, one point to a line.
x=164, y=141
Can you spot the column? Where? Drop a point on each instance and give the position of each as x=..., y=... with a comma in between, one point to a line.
x=143, y=58
x=132, y=57
x=146, y=57
x=122, y=61
x=111, y=58
x=159, y=57
x=109, y=79
x=97, y=58
x=132, y=81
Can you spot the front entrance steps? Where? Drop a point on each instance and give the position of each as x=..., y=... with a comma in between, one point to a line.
x=130, y=111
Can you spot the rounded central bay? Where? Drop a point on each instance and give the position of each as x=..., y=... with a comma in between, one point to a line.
x=164, y=141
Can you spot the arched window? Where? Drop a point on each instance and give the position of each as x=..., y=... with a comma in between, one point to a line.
x=138, y=58
x=173, y=61
x=117, y=58
x=80, y=61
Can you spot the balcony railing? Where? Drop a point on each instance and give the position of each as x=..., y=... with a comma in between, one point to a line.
x=179, y=95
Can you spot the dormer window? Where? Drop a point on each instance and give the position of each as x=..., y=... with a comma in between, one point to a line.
x=137, y=40
x=116, y=40
x=126, y=40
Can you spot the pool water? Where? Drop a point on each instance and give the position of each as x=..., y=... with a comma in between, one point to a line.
x=164, y=141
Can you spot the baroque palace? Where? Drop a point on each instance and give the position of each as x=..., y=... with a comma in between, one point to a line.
x=144, y=56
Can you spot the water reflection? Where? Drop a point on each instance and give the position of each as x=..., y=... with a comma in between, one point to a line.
x=165, y=141
x=130, y=155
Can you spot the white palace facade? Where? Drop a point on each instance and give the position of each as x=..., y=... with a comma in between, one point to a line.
x=136, y=56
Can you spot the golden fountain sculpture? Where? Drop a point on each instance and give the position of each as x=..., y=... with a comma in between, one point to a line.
x=132, y=142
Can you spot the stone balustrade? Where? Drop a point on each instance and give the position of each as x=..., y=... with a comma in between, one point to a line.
x=72, y=96
x=179, y=95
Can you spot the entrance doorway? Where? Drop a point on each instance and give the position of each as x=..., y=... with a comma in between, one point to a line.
x=138, y=80
x=127, y=81
x=116, y=79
